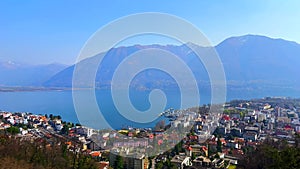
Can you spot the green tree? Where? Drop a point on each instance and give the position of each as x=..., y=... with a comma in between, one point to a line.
x=38, y=155
x=119, y=163
x=159, y=165
x=193, y=156
x=178, y=148
x=273, y=155
x=65, y=129
x=13, y=130
x=219, y=145
x=150, y=163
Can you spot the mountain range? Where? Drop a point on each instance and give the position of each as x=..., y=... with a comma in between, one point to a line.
x=250, y=61
x=13, y=74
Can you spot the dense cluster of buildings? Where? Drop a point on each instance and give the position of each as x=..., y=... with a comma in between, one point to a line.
x=35, y=127
x=201, y=140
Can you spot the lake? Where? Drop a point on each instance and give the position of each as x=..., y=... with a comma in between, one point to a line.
x=61, y=103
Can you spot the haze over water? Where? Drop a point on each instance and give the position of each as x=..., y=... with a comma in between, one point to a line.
x=60, y=103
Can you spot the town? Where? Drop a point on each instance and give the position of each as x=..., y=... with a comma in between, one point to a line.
x=200, y=137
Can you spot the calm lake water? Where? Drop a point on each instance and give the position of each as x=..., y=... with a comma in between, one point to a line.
x=61, y=103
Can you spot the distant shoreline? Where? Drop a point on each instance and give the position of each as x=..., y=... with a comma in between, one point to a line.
x=33, y=89
x=29, y=89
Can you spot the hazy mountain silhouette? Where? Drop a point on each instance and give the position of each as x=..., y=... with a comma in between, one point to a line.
x=249, y=61
x=115, y=56
x=254, y=57
x=20, y=74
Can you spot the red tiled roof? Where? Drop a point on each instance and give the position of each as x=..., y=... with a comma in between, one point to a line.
x=222, y=140
x=226, y=117
x=193, y=137
x=103, y=165
x=189, y=148
x=95, y=154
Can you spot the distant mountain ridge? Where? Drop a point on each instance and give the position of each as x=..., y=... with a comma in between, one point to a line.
x=249, y=61
x=116, y=55
x=26, y=75
x=259, y=58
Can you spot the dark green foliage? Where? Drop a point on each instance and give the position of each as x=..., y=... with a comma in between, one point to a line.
x=165, y=165
x=15, y=153
x=119, y=163
x=219, y=145
x=65, y=129
x=178, y=148
x=85, y=162
x=13, y=130
x=273, y=155
x=150, y=163
x=159, y=165
x=193, y=156
x=51, y=116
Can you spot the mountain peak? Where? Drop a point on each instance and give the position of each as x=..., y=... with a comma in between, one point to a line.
x=240, y=40
x=251, y=38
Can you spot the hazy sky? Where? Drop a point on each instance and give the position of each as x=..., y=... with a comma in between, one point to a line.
x=35, y=31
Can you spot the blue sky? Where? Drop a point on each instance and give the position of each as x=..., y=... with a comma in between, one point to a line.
x=34, y=31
